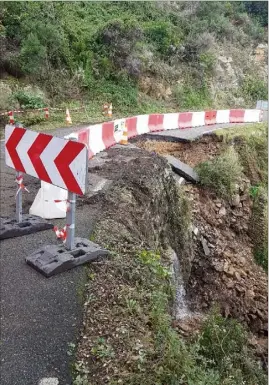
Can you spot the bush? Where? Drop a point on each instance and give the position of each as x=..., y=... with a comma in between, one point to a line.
x=188, y=97
x=224, y=346
x=222, y=173
x=254, y=89
x=28, y=100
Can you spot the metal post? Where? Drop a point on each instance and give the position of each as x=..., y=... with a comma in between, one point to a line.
x=19, y=201
x=70, y=219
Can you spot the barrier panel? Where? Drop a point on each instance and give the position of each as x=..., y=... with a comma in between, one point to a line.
x=210, y=117
x=198, y=119
x=131, y=124
x=223, y=116
x=185, y=119
x=237, y=116
x=102, y=136
x=155, y=122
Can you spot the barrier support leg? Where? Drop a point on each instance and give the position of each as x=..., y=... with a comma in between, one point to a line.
x=70, y=219
x=19, y=201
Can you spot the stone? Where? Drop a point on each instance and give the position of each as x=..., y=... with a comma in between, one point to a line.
x=182, y=169
x=52, y=259
x=10, y=228
x=205, y=247
x=185, y=327
x=97, y=183
x=242, y=261
x=230, y=284
x=235, y=201
x=250, y=294
x=218, y=205
x=218, y=266
x=240, y=289
x=231, y=271
x=97, y=162
x=244, y=196
x=237, y=275
x=226, y=266
x=195, y=230
x=222, y=211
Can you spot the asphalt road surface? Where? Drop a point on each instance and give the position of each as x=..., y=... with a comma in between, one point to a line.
x=41, y=316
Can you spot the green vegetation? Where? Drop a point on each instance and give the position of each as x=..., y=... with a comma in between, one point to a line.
x=249, y=156
x=102, y=51
x=154, y=353
x=259, y=228
x=222, y=173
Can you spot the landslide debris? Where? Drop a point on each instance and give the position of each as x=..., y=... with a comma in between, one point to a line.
x=224, y=271
x=128, y=335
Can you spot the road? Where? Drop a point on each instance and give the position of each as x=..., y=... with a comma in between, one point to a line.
x=40, y=316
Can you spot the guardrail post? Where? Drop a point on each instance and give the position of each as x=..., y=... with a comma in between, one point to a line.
x=19, y=200
x=70, y=219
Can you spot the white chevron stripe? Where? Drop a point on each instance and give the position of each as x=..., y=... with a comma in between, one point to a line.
x=79, y=170
x=8, y=131
x=24, y=145
x=48, y=156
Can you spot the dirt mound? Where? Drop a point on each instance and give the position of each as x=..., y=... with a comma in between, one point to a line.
x=191, y=153
x=144, y=207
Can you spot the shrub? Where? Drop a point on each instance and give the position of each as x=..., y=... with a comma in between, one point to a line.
x=189, y=97
x=163, y=34
x=259, y=225
x=222, y=173
x=254, y=89
x=253, y=155
x=28, y=100
x=224, y=346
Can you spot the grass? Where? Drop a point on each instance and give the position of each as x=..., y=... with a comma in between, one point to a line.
x=222, y=173
x=245, y=130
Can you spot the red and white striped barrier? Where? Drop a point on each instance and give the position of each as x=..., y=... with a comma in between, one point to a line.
x=102, y=136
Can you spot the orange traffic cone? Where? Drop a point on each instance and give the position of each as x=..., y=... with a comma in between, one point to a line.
x=68, y=117
x=11, y=117
x=109, y=111
x=124, y=138
x=105, y=109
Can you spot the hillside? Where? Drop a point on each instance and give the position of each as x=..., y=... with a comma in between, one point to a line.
x=142, y=56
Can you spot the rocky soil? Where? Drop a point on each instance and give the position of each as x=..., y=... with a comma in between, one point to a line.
x=223, y=272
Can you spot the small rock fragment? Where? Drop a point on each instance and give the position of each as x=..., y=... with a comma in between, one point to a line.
x=205, y=247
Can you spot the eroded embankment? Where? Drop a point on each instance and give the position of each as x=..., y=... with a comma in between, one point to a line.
x=129, y=336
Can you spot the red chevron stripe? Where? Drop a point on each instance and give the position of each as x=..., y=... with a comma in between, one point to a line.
x=11, y=145
x=63, y=161
x=34, y=153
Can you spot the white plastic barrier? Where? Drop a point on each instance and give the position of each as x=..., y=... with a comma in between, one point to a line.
x=170, y=121
x=223, y=116
x=50, y=202
x=252, y=115
x=198, y=119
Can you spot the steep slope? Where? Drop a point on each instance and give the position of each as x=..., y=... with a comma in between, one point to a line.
x=151, y=56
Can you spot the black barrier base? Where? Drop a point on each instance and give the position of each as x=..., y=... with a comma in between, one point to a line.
x=10, y=228
x=52, y=259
